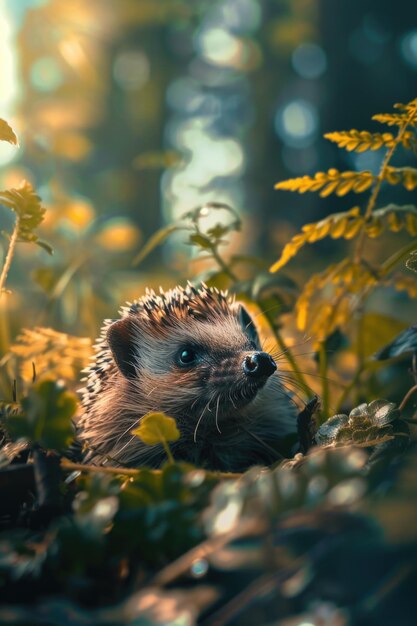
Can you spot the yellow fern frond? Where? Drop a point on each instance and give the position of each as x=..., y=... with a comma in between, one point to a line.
x=409, y=115
x=391, y=119
x=393, y=218
x=329, y=182
x=338, y=225
x=406, y=176
x=328, y=298
x=51, y=352
x=361, y=140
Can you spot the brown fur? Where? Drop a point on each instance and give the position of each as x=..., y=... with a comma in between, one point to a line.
x=226, y=421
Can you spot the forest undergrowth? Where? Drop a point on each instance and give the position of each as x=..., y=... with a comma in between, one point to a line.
x=327, y=537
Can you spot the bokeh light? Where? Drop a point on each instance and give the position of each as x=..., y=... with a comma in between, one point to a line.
x=297, y=123
x=46, y=74
x=131, y=69
x=309, y=60
x=409, y=48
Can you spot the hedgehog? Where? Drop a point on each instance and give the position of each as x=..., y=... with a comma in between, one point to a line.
x=194, y=354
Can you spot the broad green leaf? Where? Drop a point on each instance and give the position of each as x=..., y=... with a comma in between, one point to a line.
x=156, y=428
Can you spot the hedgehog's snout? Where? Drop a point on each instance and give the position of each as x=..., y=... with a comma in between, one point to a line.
x=259, y=365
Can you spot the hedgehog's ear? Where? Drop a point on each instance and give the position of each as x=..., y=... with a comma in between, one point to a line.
x=248, y=326
x=121, y=337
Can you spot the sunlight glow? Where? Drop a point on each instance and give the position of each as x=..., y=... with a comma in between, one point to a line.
x=8, y=78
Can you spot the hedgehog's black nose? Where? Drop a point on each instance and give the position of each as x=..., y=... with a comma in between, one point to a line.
x=259, y=364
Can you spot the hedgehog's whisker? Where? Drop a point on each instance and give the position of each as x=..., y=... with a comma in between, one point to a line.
x=331, y=380
x=124, y=433
x=201, y=417
x=217, y=414
x=231, y=400
x=125, y=446
x=262, y=442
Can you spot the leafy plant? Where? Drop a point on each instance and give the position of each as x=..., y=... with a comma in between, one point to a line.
x=44, y=416
x=157, y=428
x=331, y=299
x=27, y=207
x=333, y=527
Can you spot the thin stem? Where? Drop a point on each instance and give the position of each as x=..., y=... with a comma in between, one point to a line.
x=398, y=256
x=377, y=186
x=9, y=256
x=323, y=363
x=223, y=265
x=99, y=469
x=407, y=396
x=132, y=473
x=167, y=449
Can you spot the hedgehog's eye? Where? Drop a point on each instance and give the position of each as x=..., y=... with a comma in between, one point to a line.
x=187, y=356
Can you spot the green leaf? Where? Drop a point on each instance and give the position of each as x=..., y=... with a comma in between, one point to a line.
x=29, y=211
x=7, y=133
x=154, y=241
x=156, y=428
x=202, y=211
x=200, y=240
x=46, y=417
x=45, y=246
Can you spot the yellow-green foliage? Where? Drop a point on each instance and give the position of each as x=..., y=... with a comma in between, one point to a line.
x=50, y=352
x=354, y=275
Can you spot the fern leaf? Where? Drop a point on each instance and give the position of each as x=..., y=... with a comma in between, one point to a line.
x=330, y=182
x=7, y=133
x=361, y=140
x=394, y=218
x=52, y=352
x=322, y=315
x=338, y=225
x=408, y=115
x=391, y=119
x=407, y=176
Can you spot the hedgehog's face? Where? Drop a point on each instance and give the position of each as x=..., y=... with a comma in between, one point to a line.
x=194, y=366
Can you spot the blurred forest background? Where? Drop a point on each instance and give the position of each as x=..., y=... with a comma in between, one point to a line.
x=132, y=112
